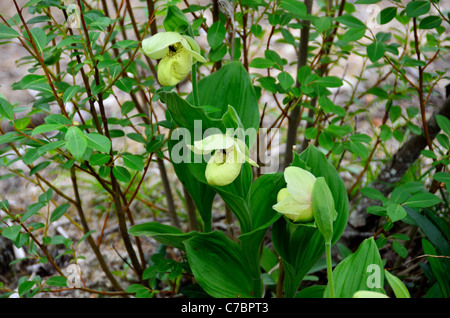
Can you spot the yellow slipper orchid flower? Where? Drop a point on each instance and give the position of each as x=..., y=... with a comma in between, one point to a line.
x=295, y=201
x=177, y=53
x=225, y=164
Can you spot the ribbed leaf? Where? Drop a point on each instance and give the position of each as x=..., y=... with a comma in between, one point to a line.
x=363, y=270
x=219, y=266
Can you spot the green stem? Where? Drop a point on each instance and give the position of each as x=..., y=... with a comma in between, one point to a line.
x=329, y=269
x=194, y=85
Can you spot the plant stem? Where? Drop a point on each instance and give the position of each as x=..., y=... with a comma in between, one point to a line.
x=294, y=116
x=280, y=283
x=329, y=270
x=90, y=240
x=194, y=85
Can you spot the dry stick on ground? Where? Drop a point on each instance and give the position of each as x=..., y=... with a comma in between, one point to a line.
x=394, y=170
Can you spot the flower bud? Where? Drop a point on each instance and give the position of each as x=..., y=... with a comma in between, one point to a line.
x=323, y=206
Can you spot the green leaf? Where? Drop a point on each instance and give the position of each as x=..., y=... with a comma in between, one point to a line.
x=57, y=119
x=34, y=81
x=395, y=212
x=59, y=281
x=6, y=109
x=121, y=173
x=39, y=38
x=268, y=83
x=311, y=133
x=8, y=33
x=46, y=128
x=76, y=142
x=176, y=21
x=399, y=249
x=98, y=142
x=329, y=81
x=322, y=23
x=443, y=123
x=59, y=212
x=375, y=51
x=363, y=270
x=326, y=141
x=440, y=267
x=32, y=210
x=298, y=9
x=430, y=22
x=216, y=34
x=70, y=92
x=165, y=234
x=350, y=21
x=11, y=232
x=219, y=266
x=85, y=236
x=31, y=155
x=99, y=159
x=261, y=62
x=417, y=8
x=133, y=162
x=353, y=34
x=432, y=232
x=262, y=196
x=125, y=84
x=39, y=167
x=329, y=107
x=286, y=80
x=214, y=90
x=387, y=14
x=315, y=291
x=422, y=200
x=373, y=193
x=442, y=177
x=218, y=53
x=25, y=287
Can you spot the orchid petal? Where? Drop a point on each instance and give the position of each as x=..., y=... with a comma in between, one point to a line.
x=193, y=48
x=214, y=142
x=222, y=171
x=157, y=46
x=300, y=183
x=172, y=69
x=294, y=210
